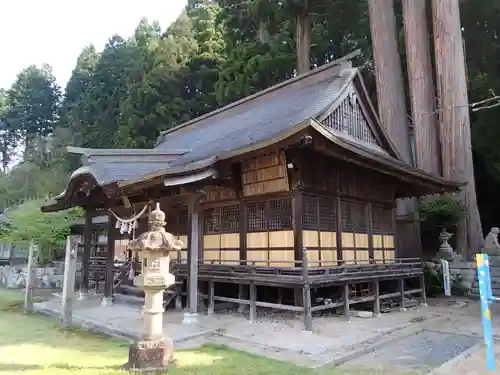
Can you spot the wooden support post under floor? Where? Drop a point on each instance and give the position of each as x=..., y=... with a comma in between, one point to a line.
x=242, y=295
x=253, y=299
x=376, y=301
x=347, y=315
x=211, y=294
x=306, y=289
x=423, y=294
x=401, y=294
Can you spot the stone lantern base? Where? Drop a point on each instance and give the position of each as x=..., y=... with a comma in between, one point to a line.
x=150, y=356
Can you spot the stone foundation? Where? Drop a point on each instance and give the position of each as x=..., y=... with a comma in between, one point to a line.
x=50, y=277
x=150, y=355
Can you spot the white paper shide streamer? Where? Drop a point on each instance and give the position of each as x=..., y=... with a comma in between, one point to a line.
x=128, y=225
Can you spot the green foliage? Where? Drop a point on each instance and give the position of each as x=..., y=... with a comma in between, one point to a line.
x=215, y=53
x=48, y=230
x=444, y=212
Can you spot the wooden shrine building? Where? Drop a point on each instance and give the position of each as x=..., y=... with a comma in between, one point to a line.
x=284, y=199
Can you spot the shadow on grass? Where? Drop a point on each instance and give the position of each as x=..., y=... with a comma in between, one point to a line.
x=8, y=367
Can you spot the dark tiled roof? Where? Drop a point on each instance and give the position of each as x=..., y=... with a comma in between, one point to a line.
x=257, y=120
x=107, y=172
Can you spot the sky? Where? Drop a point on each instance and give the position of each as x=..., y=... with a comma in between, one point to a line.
x=55, y=31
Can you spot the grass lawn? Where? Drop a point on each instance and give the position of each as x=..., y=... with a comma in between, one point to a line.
x=33, y=344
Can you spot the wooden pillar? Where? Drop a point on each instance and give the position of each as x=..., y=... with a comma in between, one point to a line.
x=243, y=232
x=110, y=262
x=192, y=259
x=87, y=242
x=371, y=254
x=339, y=230
x=297, y=232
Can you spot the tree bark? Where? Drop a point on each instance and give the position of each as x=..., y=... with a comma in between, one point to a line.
x=303, y=43
x=422, y=89
x=389, y=75
x=454, y=118
x=392, y=107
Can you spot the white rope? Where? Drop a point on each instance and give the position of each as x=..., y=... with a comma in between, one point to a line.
x=133, y=218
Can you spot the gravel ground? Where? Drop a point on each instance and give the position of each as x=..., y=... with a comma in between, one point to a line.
x=423, y=351
x=473, y=362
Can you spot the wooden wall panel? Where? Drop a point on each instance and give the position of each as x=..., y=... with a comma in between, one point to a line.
x=265, y=174
x=258, y=240
x=230, y=241
x=310, y=239
x=328, y=239
x=281, y=239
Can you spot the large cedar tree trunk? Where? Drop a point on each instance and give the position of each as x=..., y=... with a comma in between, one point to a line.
x=303, y=42
x=392, y=112
x=422, y=89
x=389, y=75
x=454, y=118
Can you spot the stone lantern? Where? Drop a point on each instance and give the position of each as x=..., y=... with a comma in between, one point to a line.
x=153, y=351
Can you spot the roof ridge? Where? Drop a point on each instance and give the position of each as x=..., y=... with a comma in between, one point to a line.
x=280, y=85
x=123, y=151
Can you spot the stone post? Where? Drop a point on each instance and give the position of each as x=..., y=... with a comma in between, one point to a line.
x=68, y=294
x=30, y=279
x=153, y=351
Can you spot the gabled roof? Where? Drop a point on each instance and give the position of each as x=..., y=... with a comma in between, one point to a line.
x=254, y=122
x=261, y=116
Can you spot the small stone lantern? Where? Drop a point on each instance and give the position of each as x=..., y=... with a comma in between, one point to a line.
x=153, y=351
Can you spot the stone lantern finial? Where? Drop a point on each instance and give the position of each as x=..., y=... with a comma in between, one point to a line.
x=156, y=218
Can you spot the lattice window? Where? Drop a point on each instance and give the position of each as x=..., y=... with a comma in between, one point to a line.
x=280, y=214
x=327, y=208
x=349, y=118
x=359, y=217
x=346, y=216
x=256, y=217
x=310, y=212
x=212, y=221
x=377, y=219
x=183, y=221
x=231, y=219
x=388, y=221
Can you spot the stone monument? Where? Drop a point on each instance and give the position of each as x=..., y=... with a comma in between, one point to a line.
x=153, y=351
x=491, y=245
x=445, y=250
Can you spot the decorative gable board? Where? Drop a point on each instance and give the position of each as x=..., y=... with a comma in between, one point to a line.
x=348, y=118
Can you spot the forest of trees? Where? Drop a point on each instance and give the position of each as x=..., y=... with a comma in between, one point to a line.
x=215, y=53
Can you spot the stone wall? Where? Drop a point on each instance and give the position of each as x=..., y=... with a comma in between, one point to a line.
x=50, y=277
